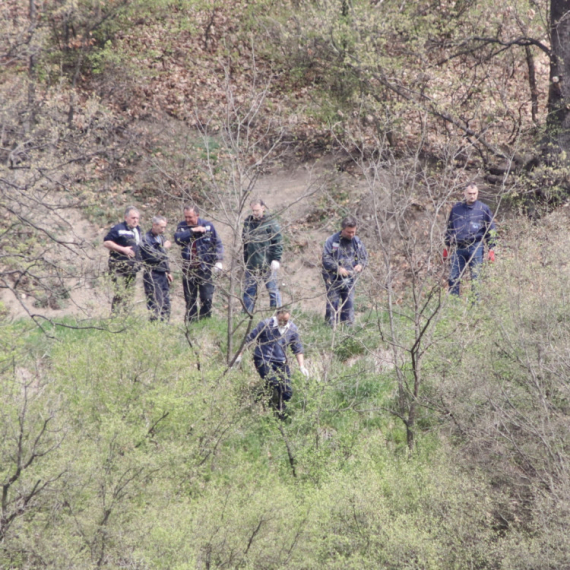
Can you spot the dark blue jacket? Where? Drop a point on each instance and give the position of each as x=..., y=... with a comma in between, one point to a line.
x=153, y=254
x=343, y=252
x=468, y=225
x=208, y=245
x=271, y=345
x=124, y=236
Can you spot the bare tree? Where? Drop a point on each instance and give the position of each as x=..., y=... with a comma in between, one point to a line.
x=559, y=88
x=52, y=152
x=238, y=148
x=405, y=212
x=31, y=432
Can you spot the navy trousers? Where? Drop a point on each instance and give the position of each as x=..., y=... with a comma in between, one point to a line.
x=463, y=257
x=197, y=284
x=340, y=301
x=157, y=291
x=277, y=376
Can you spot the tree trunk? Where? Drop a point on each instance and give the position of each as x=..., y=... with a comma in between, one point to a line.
x=558, y=121
x=30, y=117
x=230, y=316
x=532, y=84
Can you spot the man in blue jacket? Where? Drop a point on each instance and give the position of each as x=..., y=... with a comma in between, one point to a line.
x=344, y=258
x=202, y=255
x=470, y=225
x=272, y=337
x=156, y=277
x=123, y=242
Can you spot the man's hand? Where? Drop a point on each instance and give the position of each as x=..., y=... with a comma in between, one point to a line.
x=343, y=272
x=199, y=230
x=491, y=256
x=275, y=265
x=304, y=372
x=169, y=277
x=445, y=254
x=358, y=268
x=167, y=244
x=128, y=251
x=218, y=267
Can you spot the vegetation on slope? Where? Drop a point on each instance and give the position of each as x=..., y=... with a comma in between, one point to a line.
x=432, y=436
x=134, y=449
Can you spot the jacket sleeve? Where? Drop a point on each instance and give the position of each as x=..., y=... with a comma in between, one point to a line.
x=276, y=247
x=449, y=232
x=329, y=262
x=255, y=332
x=362, y=254
x=218, y=244
x=147, y=253
x=153, y=257
x=112, y=235
x=183, y=234
x=295, y=343
x=491, y=230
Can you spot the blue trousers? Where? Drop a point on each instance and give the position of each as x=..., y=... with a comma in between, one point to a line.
x=157, y=291
x=252, y=280
x=463, y=257
x=340, y=300
x=197, y=283
x=277, y=376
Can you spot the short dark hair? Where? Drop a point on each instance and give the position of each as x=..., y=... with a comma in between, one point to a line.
x=348, y=222
x=192, y=207
x=282, y=311
x=258, y=202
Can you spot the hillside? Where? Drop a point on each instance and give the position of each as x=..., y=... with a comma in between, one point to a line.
x=162, y=103
x=432, y=434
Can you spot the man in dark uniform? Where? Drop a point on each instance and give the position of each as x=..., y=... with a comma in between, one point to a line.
x=262, y=251
x=123, y=241
x=272, y=337
x=156, y=277
x=470, y=225
x=344, y=258
x=202, y=254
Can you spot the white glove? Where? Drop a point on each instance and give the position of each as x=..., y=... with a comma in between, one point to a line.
x=275, y=265
x=218, y=267
x=304, y=372
x=237, y=360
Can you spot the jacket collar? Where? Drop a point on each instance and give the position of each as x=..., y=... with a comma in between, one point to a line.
x=340, y=238
x=130, y=229
x=275, y=324
x=200, y=222
x=157, y=238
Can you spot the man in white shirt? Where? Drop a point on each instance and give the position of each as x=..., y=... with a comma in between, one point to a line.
x=272, y=337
